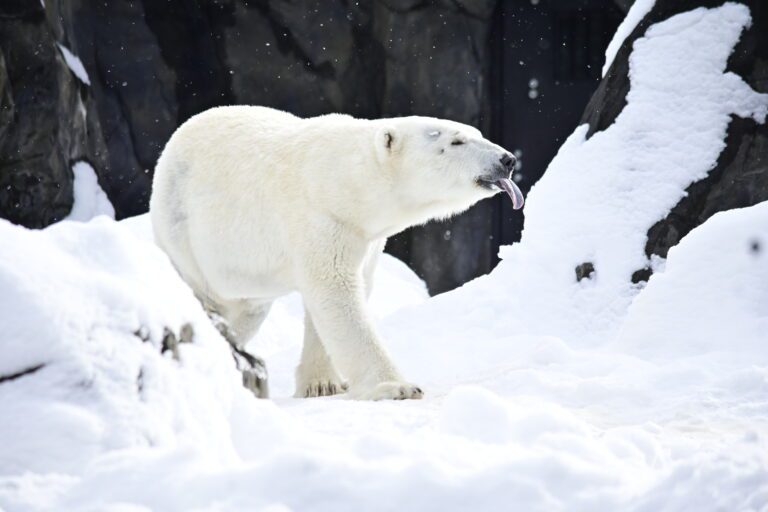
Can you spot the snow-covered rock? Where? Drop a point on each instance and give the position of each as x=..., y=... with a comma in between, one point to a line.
x=74, y=63
x=85, y=310
x=600, y=195
x=737, y=178
x=635, y=14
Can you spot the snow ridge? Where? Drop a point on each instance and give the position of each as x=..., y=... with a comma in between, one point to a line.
x=634, y=16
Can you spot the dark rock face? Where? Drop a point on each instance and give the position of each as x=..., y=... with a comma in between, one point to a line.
x=154, y=64
x=740, y=176
x=133, y=91
x=44, y=125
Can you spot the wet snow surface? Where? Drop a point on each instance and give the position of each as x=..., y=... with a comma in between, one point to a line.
x=543, y=393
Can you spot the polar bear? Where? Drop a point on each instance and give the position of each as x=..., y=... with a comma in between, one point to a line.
x=251, y=203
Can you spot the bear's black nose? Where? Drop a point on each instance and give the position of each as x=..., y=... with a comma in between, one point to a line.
x=508, y=161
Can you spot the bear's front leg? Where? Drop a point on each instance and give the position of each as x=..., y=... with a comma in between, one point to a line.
x=333, y=292
x=316, y=375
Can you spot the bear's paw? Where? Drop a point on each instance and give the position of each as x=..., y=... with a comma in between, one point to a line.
x=390, y=390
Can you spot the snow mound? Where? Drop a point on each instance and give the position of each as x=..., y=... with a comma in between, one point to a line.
x=85, y=310
x=397, y=286
x=90, y=200
x=712, y=297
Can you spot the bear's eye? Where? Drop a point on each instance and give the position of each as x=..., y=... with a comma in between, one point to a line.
x=457, y=142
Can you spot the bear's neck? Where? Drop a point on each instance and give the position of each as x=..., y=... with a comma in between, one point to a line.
x=388, y=218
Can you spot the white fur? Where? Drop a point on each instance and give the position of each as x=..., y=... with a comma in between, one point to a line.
x=251, y=203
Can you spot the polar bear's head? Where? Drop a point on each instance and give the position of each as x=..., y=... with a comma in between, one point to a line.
x=442, y=167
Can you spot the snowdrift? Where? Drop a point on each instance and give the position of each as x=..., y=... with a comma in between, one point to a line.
x=544, y=392
x=87, y=310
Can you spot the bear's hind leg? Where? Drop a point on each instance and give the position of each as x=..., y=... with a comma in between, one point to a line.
x=316, y=375
x=238, y=321
x=244, y=318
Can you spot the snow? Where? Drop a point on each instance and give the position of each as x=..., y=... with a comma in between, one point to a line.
x=74, y=63
x=80, y=293
x=635, y=15
x=542, y=393
x=700, y=300
x=539, y=421
x=89, y=199
x=599, y=196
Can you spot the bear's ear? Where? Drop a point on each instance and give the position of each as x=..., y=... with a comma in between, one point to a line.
x=388, y=140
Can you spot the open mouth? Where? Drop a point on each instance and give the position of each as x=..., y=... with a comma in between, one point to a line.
x=508, y=186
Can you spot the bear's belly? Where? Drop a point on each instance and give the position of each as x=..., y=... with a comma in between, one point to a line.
x=251, y=277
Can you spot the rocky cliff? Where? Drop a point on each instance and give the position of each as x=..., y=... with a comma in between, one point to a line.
x=151, y=65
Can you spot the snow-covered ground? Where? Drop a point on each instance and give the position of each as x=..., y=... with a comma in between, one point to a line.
x=673, y=415
x=542, y=393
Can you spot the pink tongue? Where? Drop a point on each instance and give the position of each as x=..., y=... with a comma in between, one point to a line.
x=514, y=192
